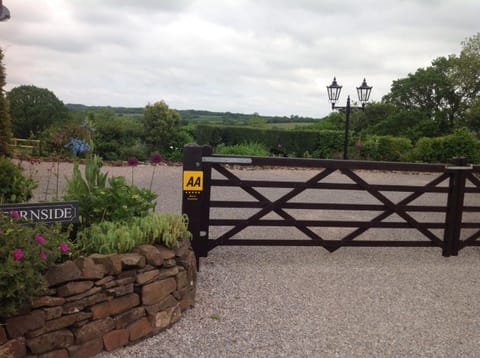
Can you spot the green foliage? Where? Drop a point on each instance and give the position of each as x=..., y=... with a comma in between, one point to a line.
x=325, y=143
x=99, y=202
x=5, y=122
x=14, y=186
x=110, y=237
x=119, y=138
x=160, y=126
x=251, y=148
x=385, y=148
x=462, y=143
x=34, y=109
x=26, y=251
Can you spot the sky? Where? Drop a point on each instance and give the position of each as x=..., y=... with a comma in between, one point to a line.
x=272, y=57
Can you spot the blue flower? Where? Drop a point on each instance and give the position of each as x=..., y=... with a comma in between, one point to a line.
x=77, y=145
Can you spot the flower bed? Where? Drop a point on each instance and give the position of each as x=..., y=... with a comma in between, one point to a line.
x=103, y=302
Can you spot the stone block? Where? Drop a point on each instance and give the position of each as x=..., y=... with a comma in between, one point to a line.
x=3, y=335
x=115, y=306
x=61, y=273
x=90, y=270
x=163, y=319
x=133, y=260
x=112, y=263
x=116, y=339
x=77, y=306
x=139, y=329
x=52, y=312
x=50, y=341
x=121, y=290
x=80, y=296
x=167, y=272
x=19, y=325
x=167, y=263
x=166, y=252
x=167, y=302
x=104, y=280
x=151, y=253
x=48, y=301
x=186, y=297
x=182, y=248
x=182, y=279
x=93, y=330
x=124, y=319
x=86, y=350
x=14, y=348
x=126, y=280
x=157, y=291
x=74, y=288
x=59, y=353
x=66, y=321
x=147, y=277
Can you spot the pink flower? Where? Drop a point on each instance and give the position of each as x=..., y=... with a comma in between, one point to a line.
x=15, y=214
x=40, y=239
x=63, y=247
x=43, y=255
x=18, y=254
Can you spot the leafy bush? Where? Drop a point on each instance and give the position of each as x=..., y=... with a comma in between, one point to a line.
x=387, y=148
x=251, y=148
x=109, y=237
x=26, y=251
x=14, y=186
x=98, y=202
x=462, y=143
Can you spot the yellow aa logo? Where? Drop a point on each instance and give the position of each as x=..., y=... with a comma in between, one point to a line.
x=192, y=180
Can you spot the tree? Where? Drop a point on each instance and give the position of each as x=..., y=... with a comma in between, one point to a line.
x=5, y=123
x=161, y=125
x=443, y=91
x=34, y=109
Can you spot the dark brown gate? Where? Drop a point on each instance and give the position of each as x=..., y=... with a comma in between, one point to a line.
x=451, y=183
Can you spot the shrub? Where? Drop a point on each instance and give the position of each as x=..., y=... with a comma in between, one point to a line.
x=251, y=148
x=98, y=202
x=14, y=186
x=387, y=148
x=26, y=251
x=462, y=143
x=110, y=237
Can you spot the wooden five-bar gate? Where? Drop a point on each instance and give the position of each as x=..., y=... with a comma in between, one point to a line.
x=450, y=184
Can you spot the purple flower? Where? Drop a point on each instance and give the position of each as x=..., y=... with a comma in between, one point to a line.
x=18, y=254
x=15, y=214
x=132, y=161
x=155, y=158
x=40, y=239
x=63, y=247
x=43, y=255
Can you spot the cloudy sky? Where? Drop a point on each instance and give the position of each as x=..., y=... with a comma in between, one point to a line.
x=274, y=57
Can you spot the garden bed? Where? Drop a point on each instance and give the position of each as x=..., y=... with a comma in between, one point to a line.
x=103, y=302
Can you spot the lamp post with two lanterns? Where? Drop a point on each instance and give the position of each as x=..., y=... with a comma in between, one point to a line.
x=334, y=93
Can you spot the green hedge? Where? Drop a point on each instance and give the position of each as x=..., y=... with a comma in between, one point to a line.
x=462, y=143
x=386, y=148
x=322, y=144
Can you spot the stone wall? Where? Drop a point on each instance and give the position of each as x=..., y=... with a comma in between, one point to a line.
x=103, y=302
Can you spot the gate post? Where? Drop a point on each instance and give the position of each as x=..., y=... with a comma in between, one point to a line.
x=196, y=196
x=456, y=195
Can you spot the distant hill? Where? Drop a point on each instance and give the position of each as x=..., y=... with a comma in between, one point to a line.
x=200, y=116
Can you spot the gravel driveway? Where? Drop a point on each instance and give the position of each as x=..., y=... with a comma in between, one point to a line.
x=306, y=302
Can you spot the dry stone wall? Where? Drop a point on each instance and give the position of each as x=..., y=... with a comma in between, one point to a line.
x=103, y=302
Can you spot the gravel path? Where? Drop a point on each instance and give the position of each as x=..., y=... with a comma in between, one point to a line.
x=306, y=302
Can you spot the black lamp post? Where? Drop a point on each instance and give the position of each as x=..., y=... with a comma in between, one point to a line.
x=363, y=95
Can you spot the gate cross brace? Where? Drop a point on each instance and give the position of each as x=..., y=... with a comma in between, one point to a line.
x=272, y=206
